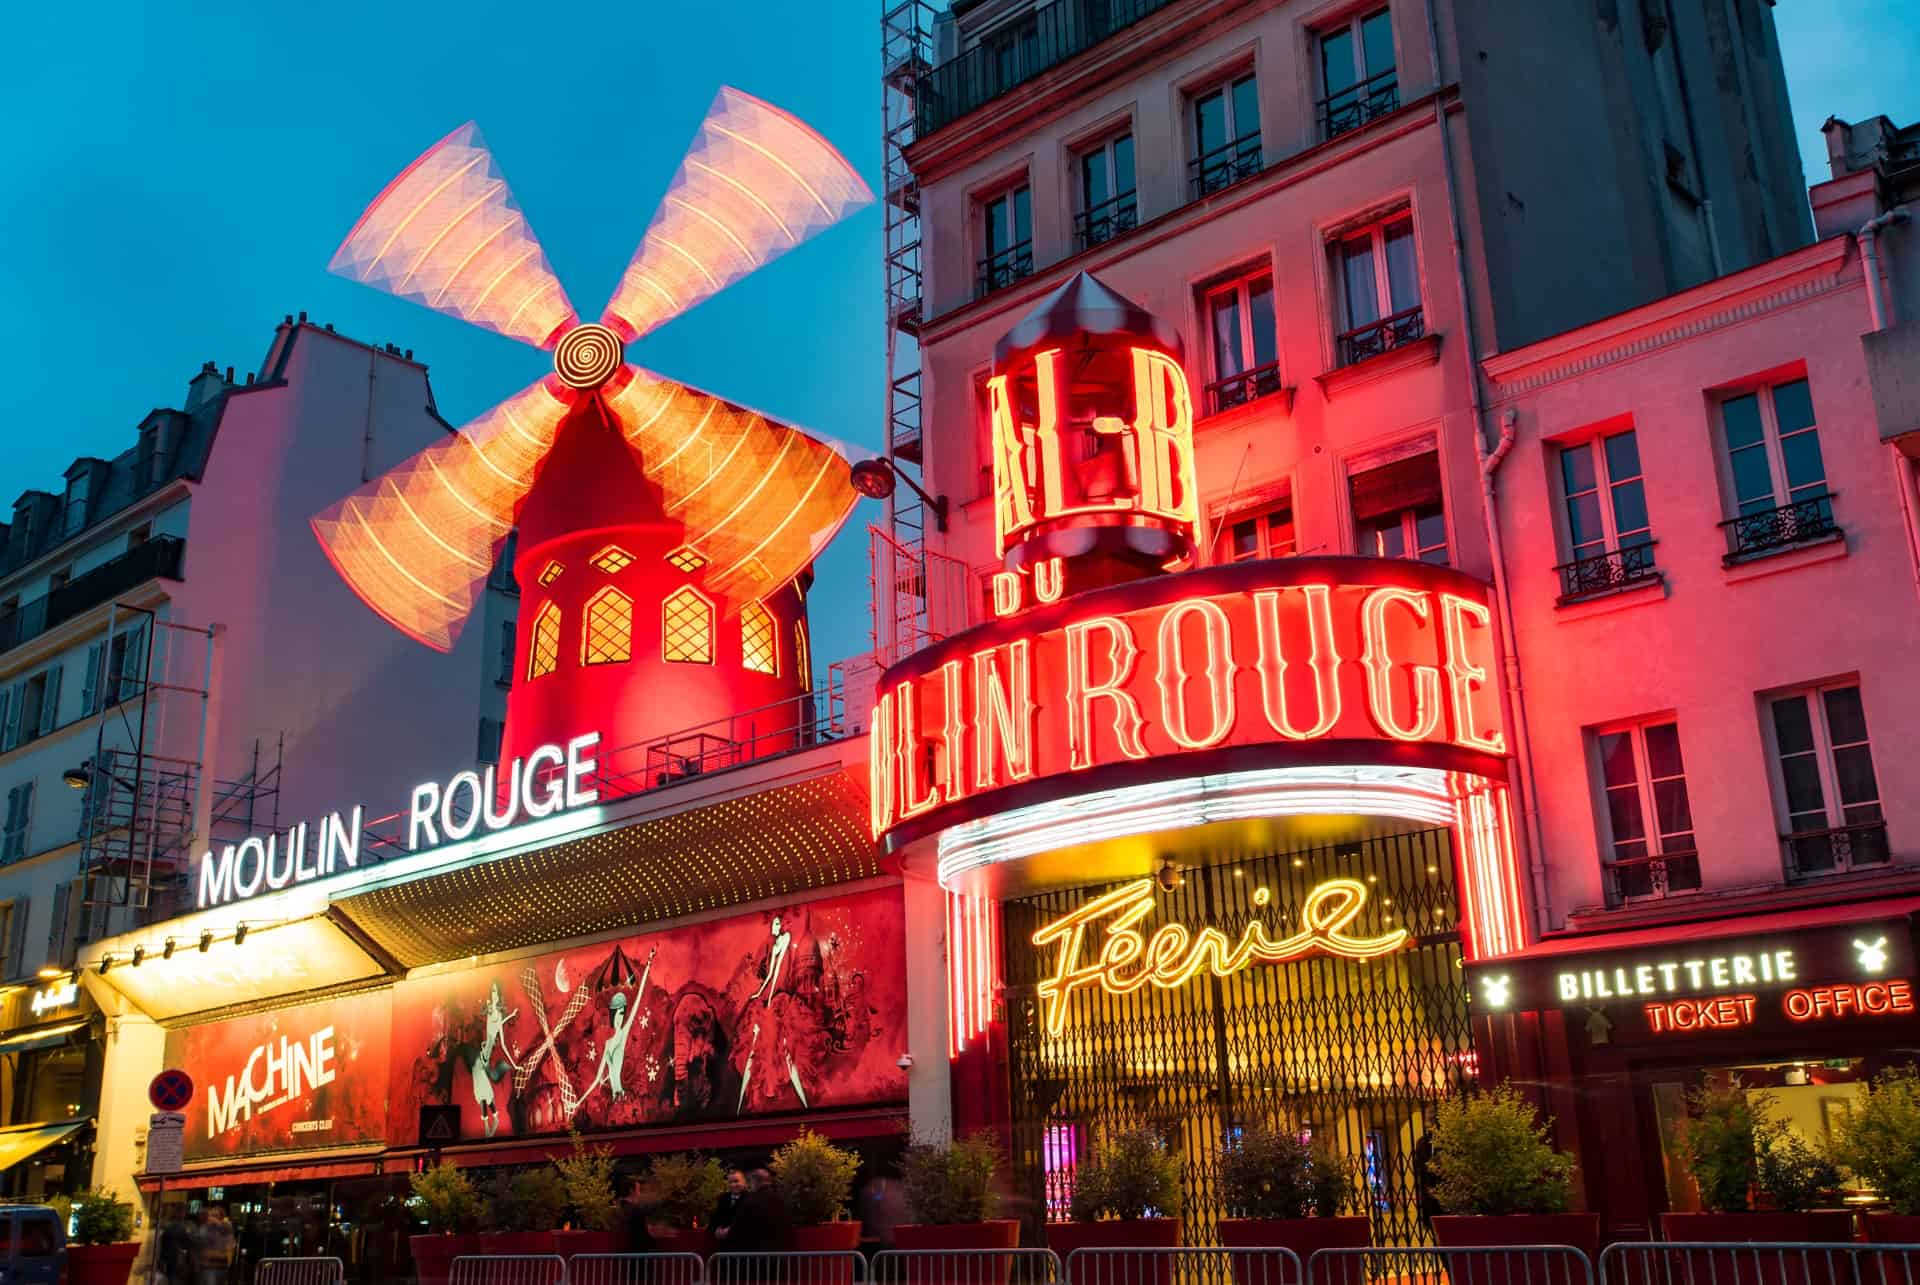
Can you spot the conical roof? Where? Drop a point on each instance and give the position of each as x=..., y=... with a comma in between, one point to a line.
x=589, y=479
x=1085, y=307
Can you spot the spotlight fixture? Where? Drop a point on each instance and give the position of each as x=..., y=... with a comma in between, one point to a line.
x=166, y=951
x=239, y=934
x=106, y=962
x=206, y=940
x=876, y=479
x=1168, y=876
x=139, y=954
x=79, y=777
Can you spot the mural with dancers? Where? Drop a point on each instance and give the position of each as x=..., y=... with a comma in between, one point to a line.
x=793, y=1008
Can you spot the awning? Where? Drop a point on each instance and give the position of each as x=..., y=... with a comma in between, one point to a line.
x=268, y=1169
x=873, y=1122
x=1725, y=926
x=43, y=1038
x=24, y=1141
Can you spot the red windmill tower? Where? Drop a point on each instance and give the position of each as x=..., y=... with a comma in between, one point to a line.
x=665, y=535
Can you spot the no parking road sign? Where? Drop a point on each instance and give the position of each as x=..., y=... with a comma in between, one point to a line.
x=170, y=1090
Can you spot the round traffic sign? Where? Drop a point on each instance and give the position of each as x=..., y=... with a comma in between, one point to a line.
x=171, y=1090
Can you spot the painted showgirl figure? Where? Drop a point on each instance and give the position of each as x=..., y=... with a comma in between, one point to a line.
x=486, y=1072
x=786, y=1036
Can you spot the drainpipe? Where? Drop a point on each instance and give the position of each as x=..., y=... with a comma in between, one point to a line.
x=1867, y=236
x=1530, y=837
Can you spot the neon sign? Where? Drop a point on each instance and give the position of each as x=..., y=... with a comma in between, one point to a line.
x=550, y=779
x=47, y=998
x=1251, y=654
x=1849, y=999
x=1175, y=954
x=1677, y=976
x=1686, y=1015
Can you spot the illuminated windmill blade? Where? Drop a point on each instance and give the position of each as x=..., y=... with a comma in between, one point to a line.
x=416, y=544
x=757, y=499
x=446, y=233
x=754, y=184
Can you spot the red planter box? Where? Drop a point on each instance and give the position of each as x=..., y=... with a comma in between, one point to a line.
x=1491, y=1231
x=683, y=1240
x=516, y=1243
x=998, y=1234
x=433, y=1255
x=1117, y=1269
x=826, y=1238
x=1893, y=1229
x=101, y=1264
x=1740, y=1267
x=568, y=1243
x=1304, y=1236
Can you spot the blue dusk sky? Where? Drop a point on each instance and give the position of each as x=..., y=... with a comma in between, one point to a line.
x=174, y=177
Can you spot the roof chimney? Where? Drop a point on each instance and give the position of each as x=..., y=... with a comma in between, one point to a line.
x=204, y=387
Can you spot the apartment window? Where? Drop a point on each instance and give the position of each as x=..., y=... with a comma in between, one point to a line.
x=74, y=513
x=1267, y=534
x=126, y=674
x=1606, y=510
x=1378, y=279
x=1226, y=135
x=13, y=841
x=758, y=649
x=543, y=655
x=1778, y=479
x=1006, y=236
x=1013, y=53
x=139, y=536
x=606, y=637
x=1108, y=206
x=60, y=579
x=1826, y=783
x=33, y=707
x=1246, y=356
x=1398, y=511
x=1649, y=821
x=509, y=633
x=1357, y=72
x=686, y=628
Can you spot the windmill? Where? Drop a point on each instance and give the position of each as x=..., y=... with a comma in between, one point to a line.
x=665, y=534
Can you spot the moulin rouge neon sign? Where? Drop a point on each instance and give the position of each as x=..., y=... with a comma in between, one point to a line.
x=1175, y=954
x=1363, y=652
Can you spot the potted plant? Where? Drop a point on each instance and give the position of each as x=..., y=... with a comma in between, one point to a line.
x=814, y=1179
x=445, y=1199
x=103, y=1248
x=1125, y=1196
x=520, y=1210
x=1880, y=1144
x=952, y=1196
x=1736, y=1148
x=1500, y=1180
x=685, y=1187
x=587, y=1175
x=1283, y=1193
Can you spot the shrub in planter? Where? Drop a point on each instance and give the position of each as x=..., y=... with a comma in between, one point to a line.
x=520, y=1209
x=586, y=1173
x=1499, y=1178
x=952, y=1196
x=1127, y=1195
x=1282, y=1192
x=445, y=1199
x=103, y=1248
x=815, y=1178
x=1735, y=1146
x=1880, y=1144
x=686, y=1188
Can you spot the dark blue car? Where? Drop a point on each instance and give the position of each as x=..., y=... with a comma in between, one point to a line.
x=33, y=1245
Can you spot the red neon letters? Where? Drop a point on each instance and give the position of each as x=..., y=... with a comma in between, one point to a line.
x=1678, y=1016
x=1849, y=999
x=1239, y=660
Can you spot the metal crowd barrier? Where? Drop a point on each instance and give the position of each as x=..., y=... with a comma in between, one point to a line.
x=508, y=1269
x=1183, y=1266
x=299, y=1271
x=1493, y=1265
x=636, y=1269
x=1758, y=1263
x=966, y=1267
x=799, y=1267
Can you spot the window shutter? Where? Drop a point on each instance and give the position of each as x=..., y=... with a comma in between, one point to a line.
x=57, y=935
x=50, y=702
x=17, y=937
x=11, y=735
x=90, y=688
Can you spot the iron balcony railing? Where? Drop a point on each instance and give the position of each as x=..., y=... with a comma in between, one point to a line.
x=1647, y=878
x=1226, y=165
x=1357, y=104
x=1810, y=853
x=1007, y=59
x=1780, y=528
x=1238, y=390
x=1604, y=572
x=998, y=271
x=159, y=556
x=1106, y=220
x=1384, y=335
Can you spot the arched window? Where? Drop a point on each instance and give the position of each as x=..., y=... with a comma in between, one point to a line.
x=543, y=657
x=686, y=628
x=606, y=634
x=758, y=649
x=802, y=657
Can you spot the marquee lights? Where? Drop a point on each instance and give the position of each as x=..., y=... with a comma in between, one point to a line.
x=1175, y=954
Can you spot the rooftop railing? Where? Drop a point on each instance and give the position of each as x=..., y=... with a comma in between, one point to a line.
x=158, y=557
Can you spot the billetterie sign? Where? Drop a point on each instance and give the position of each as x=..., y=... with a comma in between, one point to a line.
x=553, y=778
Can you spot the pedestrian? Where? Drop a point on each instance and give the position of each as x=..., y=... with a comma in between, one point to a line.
x=640, y=1204
x=213, y=1250
x=762, y=1224
x=174, y=1257
x=728, y=1206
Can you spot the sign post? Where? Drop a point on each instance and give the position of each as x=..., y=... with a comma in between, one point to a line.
x=169, y=1091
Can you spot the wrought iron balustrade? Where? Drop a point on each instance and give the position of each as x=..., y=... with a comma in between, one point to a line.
x=1226, y=165
x=998, y=271
x=1106, y=220
x=1357, y=104
x=1604, y=572
x=1811, y=853
x=1659, y=875
x=1780, y=528
x=1384, y=335
x=158, y=557
x=1238, y=390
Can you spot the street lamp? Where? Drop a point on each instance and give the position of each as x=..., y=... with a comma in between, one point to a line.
x=876, y=479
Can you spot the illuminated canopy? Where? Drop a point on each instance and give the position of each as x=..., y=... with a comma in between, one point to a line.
x=757, y=499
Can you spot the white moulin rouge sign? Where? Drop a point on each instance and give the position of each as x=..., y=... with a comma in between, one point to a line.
x=551, y=779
